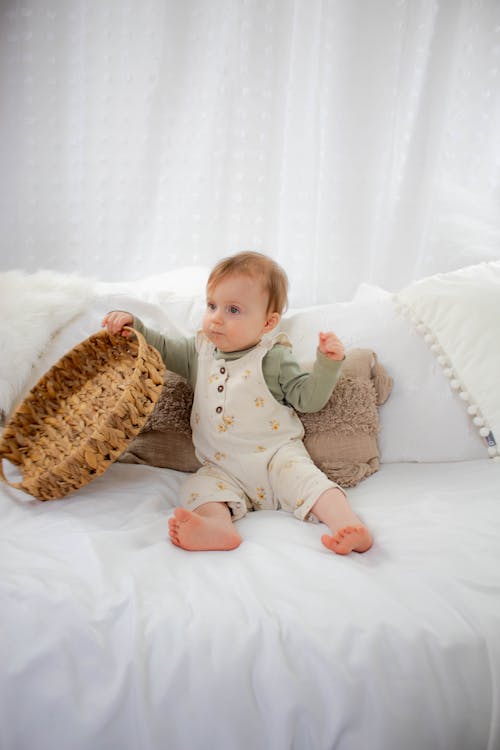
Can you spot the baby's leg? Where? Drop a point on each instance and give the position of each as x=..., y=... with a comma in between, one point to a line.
x=303, y=489
x=349, y=534
x=208, y=527
x=206, y=521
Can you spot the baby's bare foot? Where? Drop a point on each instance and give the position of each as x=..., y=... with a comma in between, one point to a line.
x=194, y=532
x=349, y=539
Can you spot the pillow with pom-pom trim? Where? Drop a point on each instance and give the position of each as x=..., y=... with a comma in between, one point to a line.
x=458, y=314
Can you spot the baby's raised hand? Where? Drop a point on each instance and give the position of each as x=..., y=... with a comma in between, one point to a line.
x=116, y=320
x=331, y=346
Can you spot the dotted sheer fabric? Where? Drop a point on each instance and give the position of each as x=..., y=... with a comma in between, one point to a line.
x=350, y=140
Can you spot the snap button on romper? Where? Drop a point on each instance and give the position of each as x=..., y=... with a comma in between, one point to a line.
x=249, y=444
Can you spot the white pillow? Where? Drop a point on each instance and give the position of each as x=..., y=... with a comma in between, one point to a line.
x=423, y=420
x=459, y=315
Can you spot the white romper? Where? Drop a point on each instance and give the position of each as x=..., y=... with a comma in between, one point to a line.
x=250, y=446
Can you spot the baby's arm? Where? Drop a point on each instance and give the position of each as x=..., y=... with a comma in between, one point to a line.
x=116, y=320
x=179, y=355
x=305, y=391
x=331, y=346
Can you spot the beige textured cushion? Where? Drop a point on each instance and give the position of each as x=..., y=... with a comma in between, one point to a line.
x=165, y=440
x=341, y=438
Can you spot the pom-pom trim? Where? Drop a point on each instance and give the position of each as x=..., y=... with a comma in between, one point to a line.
x=473, y=409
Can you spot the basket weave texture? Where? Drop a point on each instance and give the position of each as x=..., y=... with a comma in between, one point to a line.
x=81, y=415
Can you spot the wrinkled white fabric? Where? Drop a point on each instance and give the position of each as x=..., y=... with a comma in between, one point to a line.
x=125, y=641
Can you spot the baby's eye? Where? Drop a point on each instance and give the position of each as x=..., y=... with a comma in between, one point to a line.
x=210, y=306
x=233, y=309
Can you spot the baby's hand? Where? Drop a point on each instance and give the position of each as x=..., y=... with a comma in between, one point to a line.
x=331, y=346
x=115, y=321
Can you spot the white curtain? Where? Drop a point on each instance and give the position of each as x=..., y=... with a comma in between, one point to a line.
x=352, y=140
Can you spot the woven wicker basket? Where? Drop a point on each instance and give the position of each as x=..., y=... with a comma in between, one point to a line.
x=81, y=415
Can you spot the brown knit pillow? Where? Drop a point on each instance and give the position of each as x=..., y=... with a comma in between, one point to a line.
x=341, y=438
x=165, y=440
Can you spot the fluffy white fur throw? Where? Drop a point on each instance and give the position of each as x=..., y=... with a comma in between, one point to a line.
x=32, y=308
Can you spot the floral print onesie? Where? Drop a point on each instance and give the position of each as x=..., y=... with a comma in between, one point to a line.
x=249, y=444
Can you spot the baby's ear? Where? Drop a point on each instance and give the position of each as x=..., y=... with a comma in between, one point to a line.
x=272, y=321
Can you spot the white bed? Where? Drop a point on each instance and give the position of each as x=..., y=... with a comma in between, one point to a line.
x=112, y=637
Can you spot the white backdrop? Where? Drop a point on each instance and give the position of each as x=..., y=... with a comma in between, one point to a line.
x=353, y=140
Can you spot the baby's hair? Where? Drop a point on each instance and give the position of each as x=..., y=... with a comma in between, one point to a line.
x=249, y=263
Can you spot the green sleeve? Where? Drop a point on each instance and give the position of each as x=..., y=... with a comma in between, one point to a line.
x=179, y=355
x=305, y=391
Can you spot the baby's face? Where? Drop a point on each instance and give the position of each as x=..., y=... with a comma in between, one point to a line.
x=236, y=315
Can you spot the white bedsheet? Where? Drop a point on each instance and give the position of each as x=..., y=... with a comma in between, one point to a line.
x=111, y=637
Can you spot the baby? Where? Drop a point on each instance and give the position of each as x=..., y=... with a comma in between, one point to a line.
x=246, y=433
